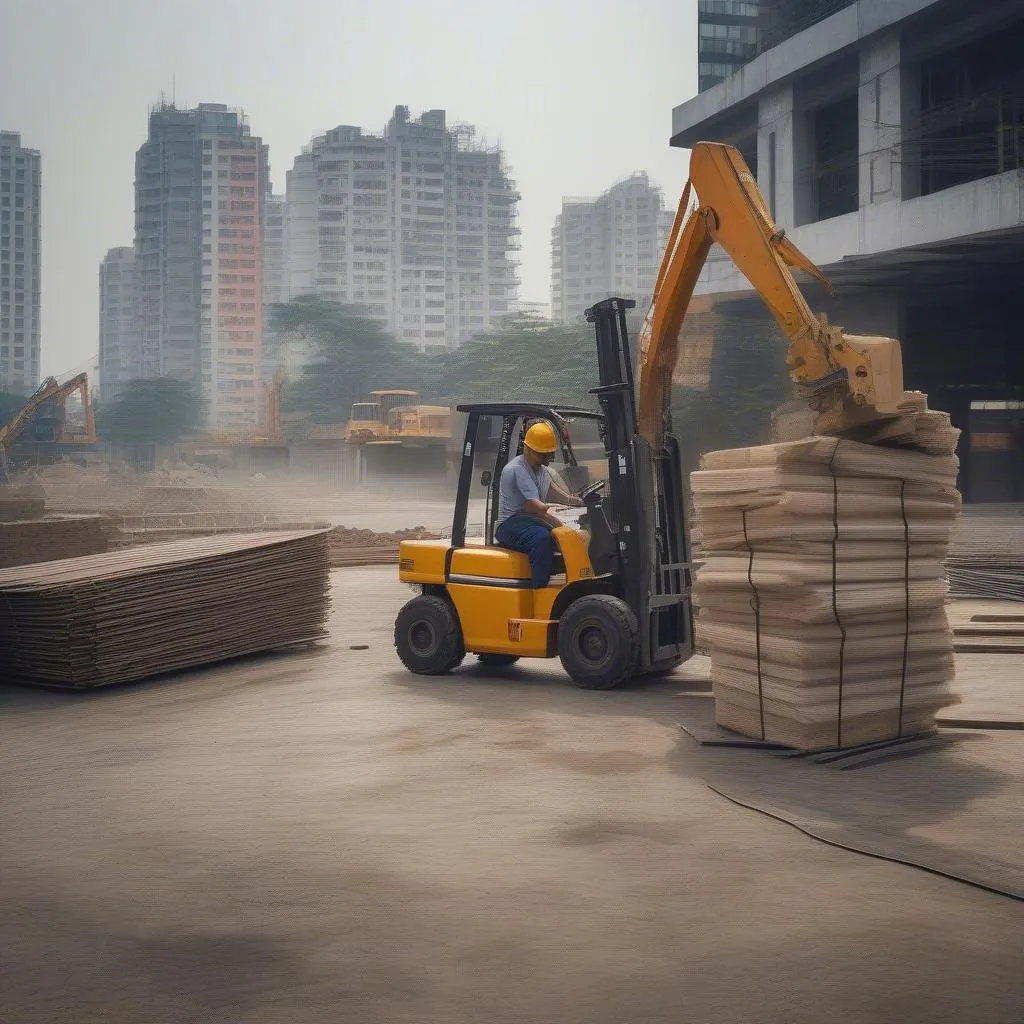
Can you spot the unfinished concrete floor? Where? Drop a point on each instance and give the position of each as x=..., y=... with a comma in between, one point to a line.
x=322, y=837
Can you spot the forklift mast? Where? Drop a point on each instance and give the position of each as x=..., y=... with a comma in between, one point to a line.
x=644, y=540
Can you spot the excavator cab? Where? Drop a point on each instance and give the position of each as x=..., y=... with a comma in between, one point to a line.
x=618, y=603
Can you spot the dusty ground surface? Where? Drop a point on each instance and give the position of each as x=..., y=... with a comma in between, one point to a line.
x=322, y=837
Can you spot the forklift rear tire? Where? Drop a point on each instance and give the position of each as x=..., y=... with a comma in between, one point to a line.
x=498, y=660
x=599, y=641
x=428, y=637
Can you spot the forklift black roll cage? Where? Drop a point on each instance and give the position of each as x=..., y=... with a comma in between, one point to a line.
x=638, y=526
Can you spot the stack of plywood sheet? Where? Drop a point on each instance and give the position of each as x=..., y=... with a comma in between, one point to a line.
x=986, y=558
x=15, y=506
x=42, y=540
x=127, y=615
x=821, y=595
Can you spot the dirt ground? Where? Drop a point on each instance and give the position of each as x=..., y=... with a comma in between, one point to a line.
x=320, y=836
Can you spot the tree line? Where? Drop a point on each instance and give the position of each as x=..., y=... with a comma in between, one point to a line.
x=344, y=355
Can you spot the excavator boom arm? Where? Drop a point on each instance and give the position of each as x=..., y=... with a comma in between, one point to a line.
x=50, y=390
x=732, y=212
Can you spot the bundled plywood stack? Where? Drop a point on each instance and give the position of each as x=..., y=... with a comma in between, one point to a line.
x=43, y=540
x=986, y=558
x=126, y=615
x=821, y=594
x=351, y=546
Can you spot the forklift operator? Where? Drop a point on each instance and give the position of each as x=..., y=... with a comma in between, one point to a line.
x=524, y=521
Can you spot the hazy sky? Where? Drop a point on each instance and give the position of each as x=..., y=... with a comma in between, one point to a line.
x=578, y=93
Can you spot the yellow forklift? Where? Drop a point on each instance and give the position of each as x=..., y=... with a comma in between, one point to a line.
x=618, y=604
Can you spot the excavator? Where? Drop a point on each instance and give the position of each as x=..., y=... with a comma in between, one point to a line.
x=59, y=437
x=618, y=604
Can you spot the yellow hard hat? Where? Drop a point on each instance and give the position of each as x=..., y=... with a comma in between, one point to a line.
x=541, y=438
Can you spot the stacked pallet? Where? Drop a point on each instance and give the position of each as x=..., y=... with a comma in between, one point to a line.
x=43, y=540
x=986, y=558
x=126, y=615
x=821, y=595
x=350, y=547
x=16, y=507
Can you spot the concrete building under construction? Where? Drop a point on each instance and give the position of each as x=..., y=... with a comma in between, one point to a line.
x=888, y=139
x=417, y=226
x=120, y=352
x=611, y=245
x=20, y=264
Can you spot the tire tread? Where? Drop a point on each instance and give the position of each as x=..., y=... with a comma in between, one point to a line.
x=451, y=650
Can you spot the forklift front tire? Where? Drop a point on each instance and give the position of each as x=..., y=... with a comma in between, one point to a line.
x=428, y=637
x=599, y=641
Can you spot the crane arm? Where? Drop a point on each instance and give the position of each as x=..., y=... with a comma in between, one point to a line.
x=848, y=378
x=13, y=427
x=50, y=390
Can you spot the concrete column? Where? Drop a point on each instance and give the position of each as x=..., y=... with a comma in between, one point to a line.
x=880, y=110
x=805, y=200
x=910, y=130
x=775, y=153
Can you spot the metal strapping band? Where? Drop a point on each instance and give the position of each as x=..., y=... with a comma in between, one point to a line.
x=835, y=593
x=906, y=602
x=755, y=605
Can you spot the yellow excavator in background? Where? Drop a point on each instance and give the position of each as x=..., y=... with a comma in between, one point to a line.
x=619, y=604
x=60, y=437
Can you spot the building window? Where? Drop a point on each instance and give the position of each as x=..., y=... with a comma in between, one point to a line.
x=836, y=168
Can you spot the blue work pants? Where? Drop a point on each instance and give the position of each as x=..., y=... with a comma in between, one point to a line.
x=533, y=539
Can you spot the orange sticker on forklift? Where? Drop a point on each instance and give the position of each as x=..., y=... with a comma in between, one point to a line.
x=515, y=630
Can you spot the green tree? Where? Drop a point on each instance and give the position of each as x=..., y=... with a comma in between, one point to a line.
x=159, y=411
x=523, y=358
x=353, y=354
x=528, y=358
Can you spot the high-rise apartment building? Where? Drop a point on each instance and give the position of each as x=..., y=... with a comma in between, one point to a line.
x=275, y=284
x=417, y=226
x=120, y=351
x=611, y=245
x=727, y=37
x=731, y=33
x=20, y=207
x=200, y=185
x=275, y=276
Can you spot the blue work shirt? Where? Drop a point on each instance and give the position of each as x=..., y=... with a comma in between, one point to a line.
x=519, y=483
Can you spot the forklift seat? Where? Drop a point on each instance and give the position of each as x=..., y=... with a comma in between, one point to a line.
x=557, y=562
